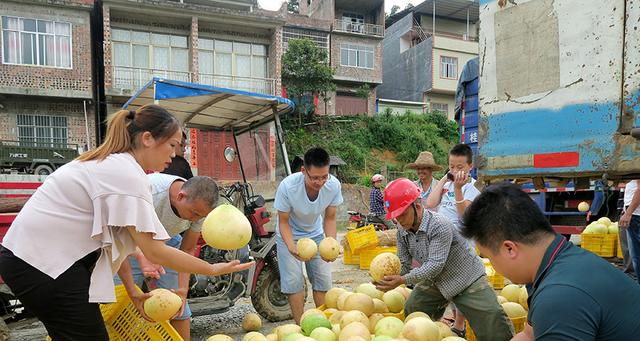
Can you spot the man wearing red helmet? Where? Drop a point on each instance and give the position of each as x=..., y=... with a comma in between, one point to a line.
x=449, y=269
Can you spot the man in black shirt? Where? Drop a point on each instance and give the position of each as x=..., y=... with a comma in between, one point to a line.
x=179, y=165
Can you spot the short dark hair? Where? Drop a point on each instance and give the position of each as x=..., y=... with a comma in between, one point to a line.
x=316, y=157
x=462, y=150
x=504, y=212
x=202, y=188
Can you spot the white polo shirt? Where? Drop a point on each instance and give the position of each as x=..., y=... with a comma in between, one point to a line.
x=83, y=207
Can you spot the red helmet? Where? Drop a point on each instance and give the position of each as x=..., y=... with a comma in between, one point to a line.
x=398, y=195
x=377, y=177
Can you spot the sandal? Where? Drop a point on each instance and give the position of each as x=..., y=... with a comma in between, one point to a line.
x=460, y=333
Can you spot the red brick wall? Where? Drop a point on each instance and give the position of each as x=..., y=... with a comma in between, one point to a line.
x=48, y=81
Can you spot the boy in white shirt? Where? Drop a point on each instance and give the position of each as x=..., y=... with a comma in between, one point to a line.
x=452, y=195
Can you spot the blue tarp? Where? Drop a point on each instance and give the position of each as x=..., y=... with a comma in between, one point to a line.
x=206, y=106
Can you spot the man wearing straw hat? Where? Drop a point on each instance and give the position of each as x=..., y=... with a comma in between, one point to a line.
x=425, y=165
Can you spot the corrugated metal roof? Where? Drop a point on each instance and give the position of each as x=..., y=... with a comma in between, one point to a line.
x=453, y=9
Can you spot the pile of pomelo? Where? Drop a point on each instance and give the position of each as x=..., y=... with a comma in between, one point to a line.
x=603, y=225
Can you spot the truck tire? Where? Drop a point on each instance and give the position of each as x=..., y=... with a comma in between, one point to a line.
x=43, y=170
x=268, y=300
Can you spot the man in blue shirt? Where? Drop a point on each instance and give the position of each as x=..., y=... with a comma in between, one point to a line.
x=306, y=202
x=573, y=294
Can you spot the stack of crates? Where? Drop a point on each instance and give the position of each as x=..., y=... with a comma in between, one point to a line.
x=495, y=279
x=359, y=240
x=602, y=244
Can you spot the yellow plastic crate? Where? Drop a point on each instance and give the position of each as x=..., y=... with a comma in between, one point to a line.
x=125, y=323
x=618, y=248
x=350, y=258
x=518, y=325
x=367, y=255
x=495, y=279
x=362, y=238
x=603, y=245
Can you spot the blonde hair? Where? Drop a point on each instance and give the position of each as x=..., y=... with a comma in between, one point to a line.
x=124, y=126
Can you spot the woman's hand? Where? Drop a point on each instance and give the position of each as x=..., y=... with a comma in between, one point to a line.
x=233, y=266
x=138, y=299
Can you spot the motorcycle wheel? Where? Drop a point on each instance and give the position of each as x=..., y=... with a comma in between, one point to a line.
x=268, y=300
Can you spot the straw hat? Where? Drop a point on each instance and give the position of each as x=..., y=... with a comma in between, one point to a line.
x=425, y=160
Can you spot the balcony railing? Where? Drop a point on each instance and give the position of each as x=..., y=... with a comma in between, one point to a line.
x=351, y=27
x=265, y=86
x=130, y=78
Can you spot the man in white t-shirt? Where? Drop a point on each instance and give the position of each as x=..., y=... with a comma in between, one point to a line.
x=630, y=220
x=306, y=202
x=181, y=206
x=452, y=195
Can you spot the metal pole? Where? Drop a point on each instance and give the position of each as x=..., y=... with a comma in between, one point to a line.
x=279, y=133
x=433, y=19
x=467, y=23
x=235, y=141
x=86, y=124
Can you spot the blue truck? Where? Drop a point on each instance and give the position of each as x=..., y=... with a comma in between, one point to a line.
x=552, y=103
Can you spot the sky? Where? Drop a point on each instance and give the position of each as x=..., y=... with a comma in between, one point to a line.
x=275, y=4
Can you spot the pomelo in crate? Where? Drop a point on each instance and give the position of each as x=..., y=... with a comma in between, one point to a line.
x=162, y=305
x=226, y=228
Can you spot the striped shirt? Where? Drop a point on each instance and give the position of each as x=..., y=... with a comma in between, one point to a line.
x=445, y=257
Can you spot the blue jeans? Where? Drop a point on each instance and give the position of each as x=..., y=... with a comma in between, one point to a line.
x=633, y=240
x=167, y=281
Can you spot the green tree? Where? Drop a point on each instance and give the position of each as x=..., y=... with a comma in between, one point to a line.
x=394, y=9
x=293, y=6
x=305, y=71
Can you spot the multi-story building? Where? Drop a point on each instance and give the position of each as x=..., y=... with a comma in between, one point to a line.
x=46, y=73
x=352, y=32
x=214, y=42
x=424, y=50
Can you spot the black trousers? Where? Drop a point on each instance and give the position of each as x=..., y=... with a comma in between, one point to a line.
x=62, y=304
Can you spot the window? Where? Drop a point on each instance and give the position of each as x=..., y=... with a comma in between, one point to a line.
x=448, y=67
x=138, y=56
x=441, y=107
x=321, y=39
x=356, y=56
x=234, y=65
x=36, y=42
x=42, y=131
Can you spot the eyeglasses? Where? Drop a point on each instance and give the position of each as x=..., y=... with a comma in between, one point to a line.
x=320, y=178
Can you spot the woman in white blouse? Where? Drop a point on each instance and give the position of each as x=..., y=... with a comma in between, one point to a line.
x=65, y=245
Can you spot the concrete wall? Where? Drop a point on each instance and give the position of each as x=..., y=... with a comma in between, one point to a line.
x=322, y=9
x=75, y=82
x=449, y=100
x=70, y=108
x=356, y=74
x=406, y=75
x=448, y=26
x=400, y=108
x=462, y=50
